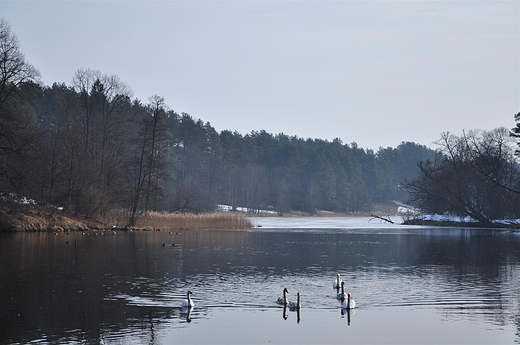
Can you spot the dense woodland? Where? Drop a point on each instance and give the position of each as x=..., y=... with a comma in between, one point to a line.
x=91, y=148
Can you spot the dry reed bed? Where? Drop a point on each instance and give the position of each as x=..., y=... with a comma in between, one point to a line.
x=172, y=221
x=36, y=217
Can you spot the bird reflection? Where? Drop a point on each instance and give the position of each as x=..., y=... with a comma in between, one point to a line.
x=285, y=316
x=347, y=312
x=284, y=312
x=187, y=310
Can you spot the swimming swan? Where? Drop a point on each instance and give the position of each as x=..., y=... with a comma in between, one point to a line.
x=337, y=283
x=188, y=302
x=342, y=295
x=283, y=300
x=293, y=306
x=349, y=303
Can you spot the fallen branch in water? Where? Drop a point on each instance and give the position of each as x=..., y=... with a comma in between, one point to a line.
x=382, y=218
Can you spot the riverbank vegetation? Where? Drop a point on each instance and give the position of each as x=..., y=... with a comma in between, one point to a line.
x=22, y=214
x=155, y=220
x=475, y=175
x=92, y=150
x=164, y=220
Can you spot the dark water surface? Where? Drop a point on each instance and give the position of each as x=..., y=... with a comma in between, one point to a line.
x=411, y=285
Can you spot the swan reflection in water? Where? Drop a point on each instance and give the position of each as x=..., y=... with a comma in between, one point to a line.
x=187, y=310
x=297, y=310
x=347, y=312
x=296, y=306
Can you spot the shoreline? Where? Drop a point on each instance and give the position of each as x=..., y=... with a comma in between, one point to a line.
x=35, y=217
x=448, y=223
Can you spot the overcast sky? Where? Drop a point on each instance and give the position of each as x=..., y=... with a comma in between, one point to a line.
x=372, y=72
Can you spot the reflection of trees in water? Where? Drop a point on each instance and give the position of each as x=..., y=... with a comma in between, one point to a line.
x=463, y=257
x=483, y=265
x=56, y=288
x=59, y=289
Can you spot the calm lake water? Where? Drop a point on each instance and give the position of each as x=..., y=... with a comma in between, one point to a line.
x=412, y=285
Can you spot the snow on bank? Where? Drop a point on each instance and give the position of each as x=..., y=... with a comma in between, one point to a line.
x=227, y=208
x=446, y=217
x=17, y=199
x=451, y=218
x=20, y=199
x=410, y=213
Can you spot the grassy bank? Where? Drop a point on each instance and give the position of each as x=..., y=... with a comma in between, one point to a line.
x=38, y=217
x=15, y=216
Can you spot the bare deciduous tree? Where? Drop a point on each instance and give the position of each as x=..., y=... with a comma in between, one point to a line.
x=18, y=127
x=515, y=132
x=474, y=175
x=149, y=161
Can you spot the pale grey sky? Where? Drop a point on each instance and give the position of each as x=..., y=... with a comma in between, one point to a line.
x=373, y=72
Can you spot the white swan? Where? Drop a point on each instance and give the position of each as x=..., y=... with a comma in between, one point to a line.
x=283, y=300
x=188, y=302
x=293, y=306
x=342, y=295
x=337, y=283
x=349, y=303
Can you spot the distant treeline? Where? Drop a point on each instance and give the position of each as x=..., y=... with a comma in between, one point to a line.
x=90, y=148
x=97, y=150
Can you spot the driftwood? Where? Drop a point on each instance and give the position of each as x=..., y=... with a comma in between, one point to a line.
x=382, y=218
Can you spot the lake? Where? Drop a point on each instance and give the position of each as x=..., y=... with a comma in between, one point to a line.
x=412, y=285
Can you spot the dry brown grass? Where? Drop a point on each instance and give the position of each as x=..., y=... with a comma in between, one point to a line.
x=35, y=217
x=173, y=221
x=115, y=217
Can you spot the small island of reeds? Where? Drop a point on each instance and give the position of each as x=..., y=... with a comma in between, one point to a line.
x=173, y=221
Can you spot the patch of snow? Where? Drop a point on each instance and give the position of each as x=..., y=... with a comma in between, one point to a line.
x=407, y=210
x=446, y=217
x=19, y=199
x=449, y=217
x=507, y=221
x=228, y=208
